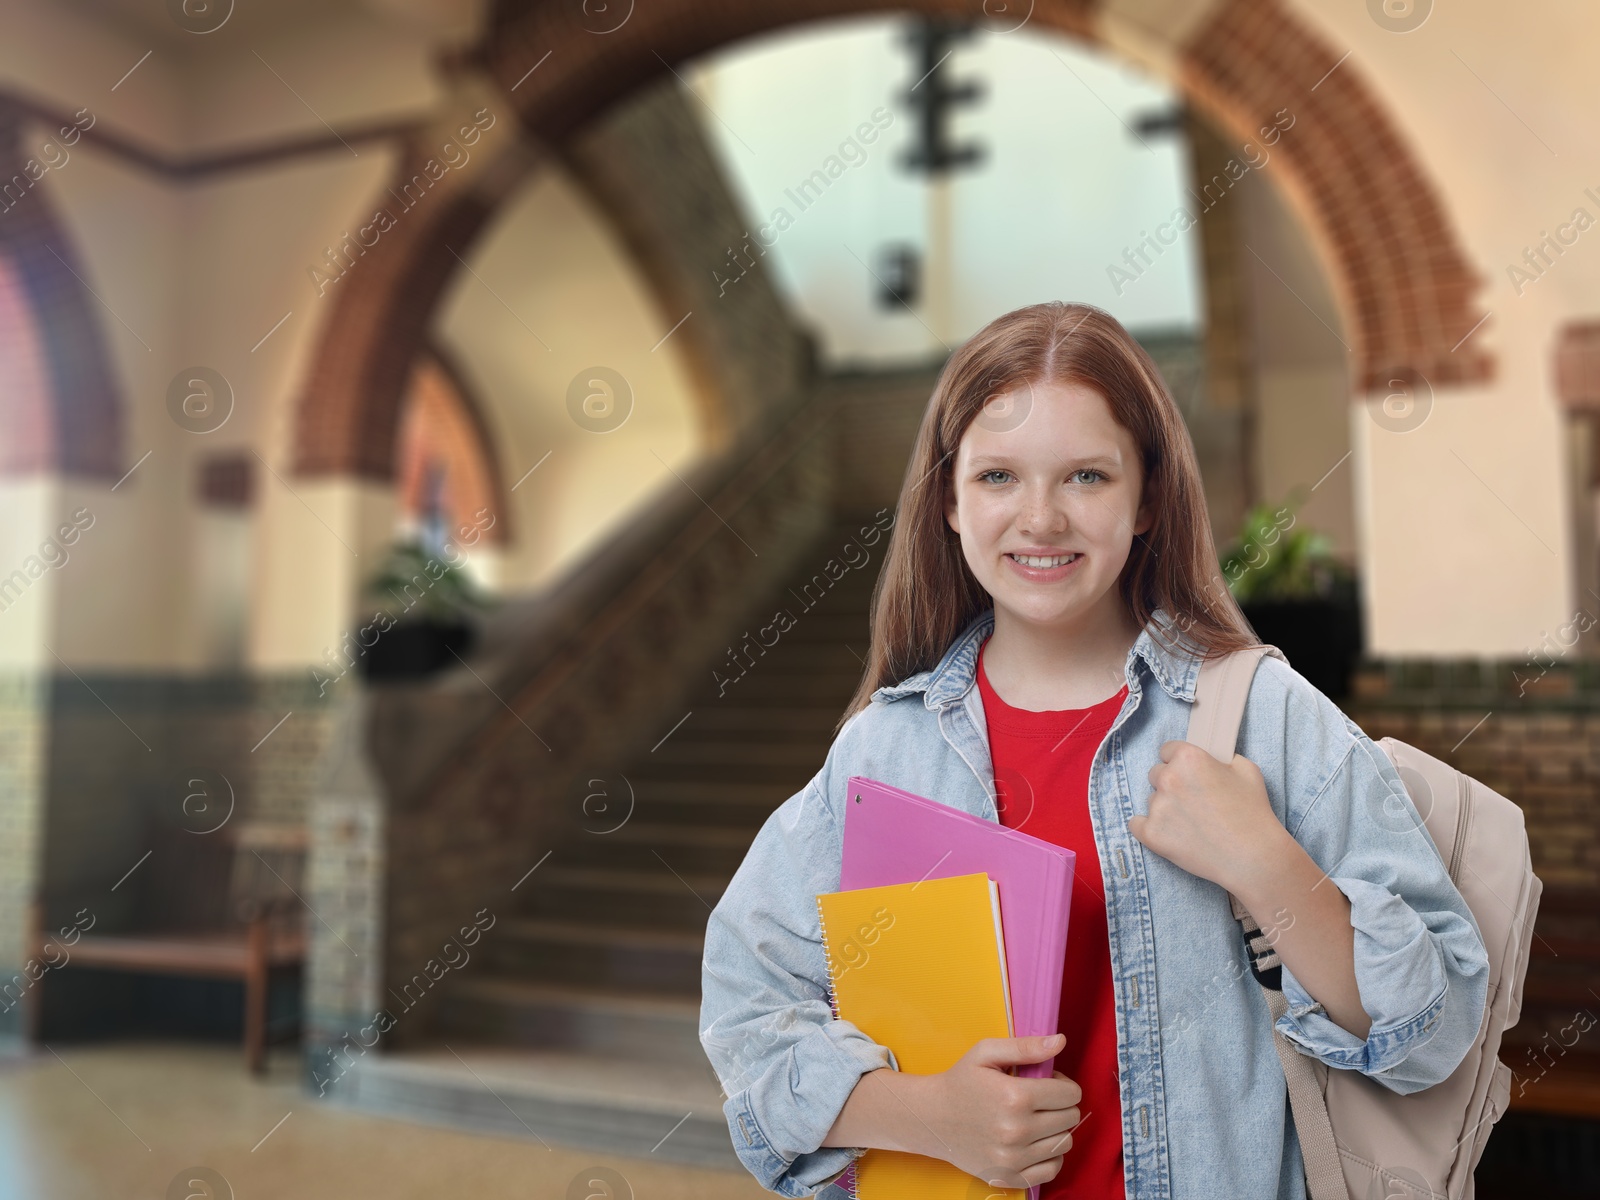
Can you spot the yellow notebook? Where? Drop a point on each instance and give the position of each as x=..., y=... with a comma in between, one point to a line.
x=919, y=968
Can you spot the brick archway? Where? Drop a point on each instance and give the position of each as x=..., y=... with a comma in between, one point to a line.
x=443, y=432
x=60, y=407
x=385, y=291
x=1404, y=283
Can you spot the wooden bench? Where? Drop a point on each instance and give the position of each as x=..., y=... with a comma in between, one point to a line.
x=221, y=905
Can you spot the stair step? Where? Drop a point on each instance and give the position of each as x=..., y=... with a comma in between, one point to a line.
x=684, y=786
x=702, y=801
x=787, y=723
x=743, y=814
x=821, y=660
x=612, y=937
x=631, y=896
x=772, y=688
x=657, y=1028
x=760, y=732
x=589, y=999
x=786, y=683
x=845, y=640
x=681, y=835
x=751, y=774
x=609, y=1104
x=605, y=1002
x=638, y=882
x=615, y=957
x=721, y=861
x=714, y=849
x=751, y=693
x=831, y=655
x=771, y=726
x=741, y=753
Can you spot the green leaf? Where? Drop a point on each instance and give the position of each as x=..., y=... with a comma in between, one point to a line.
x=413, y=583
x=1275, y=556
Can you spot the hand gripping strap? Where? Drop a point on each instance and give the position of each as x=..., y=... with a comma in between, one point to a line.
x=1220, y=693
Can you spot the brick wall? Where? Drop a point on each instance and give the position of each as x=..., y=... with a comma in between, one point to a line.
x=1537, y=743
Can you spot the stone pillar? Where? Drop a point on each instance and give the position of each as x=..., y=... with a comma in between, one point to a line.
x=345, y=873
x=23, y=729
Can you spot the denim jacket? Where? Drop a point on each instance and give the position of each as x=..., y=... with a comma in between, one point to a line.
x=1204, y=1105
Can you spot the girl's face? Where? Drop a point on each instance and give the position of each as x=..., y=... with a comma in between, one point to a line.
x=1045, y=473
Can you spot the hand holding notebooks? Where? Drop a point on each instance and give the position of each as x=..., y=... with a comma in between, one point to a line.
x=895, y=836
x=918, y=968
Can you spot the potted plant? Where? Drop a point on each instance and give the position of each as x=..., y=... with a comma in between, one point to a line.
x=1297, y=595
x=427, y=602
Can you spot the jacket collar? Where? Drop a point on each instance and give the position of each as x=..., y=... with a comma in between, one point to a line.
x=956, y=672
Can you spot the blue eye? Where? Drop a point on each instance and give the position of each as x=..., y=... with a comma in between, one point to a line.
x=995, y=471
x=1089, y=471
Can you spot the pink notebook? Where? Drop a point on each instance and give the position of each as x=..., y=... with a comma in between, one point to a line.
x=895, y=836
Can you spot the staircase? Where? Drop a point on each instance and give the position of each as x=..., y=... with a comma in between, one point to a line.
x=578, y=1023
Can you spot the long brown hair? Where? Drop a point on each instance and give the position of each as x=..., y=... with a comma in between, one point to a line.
x=926, y=594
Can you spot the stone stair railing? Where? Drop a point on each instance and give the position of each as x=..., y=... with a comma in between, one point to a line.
x=435, y=800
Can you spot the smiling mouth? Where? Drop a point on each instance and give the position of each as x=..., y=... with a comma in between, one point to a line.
x=1044, y=562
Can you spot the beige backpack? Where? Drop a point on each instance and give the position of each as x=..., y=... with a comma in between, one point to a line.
x=1360, y=1140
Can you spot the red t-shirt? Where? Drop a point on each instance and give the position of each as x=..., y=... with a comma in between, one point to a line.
x=1041, y=771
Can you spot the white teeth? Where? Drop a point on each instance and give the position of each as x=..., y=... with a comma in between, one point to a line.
x=1055, y=561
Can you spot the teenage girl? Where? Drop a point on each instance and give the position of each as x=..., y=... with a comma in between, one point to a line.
x=1049, y=592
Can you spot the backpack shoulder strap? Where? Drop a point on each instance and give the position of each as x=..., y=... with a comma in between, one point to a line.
x=1220, y=693
x=1219, y=696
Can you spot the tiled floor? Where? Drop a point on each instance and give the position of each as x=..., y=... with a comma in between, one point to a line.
x=123, y=1122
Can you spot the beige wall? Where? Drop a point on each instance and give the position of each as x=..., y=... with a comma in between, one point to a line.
x=316, y=547
x=1302, y=386
x=198, y=275
x=33, y=509
x=550, y=295
x=1464, y=532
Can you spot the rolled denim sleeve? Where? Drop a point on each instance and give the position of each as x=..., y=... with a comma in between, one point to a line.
x=1420, y=963
x=786, y=1064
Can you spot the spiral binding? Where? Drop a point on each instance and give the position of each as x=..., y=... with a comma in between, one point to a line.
x=847, y=1181
x=822, y=925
